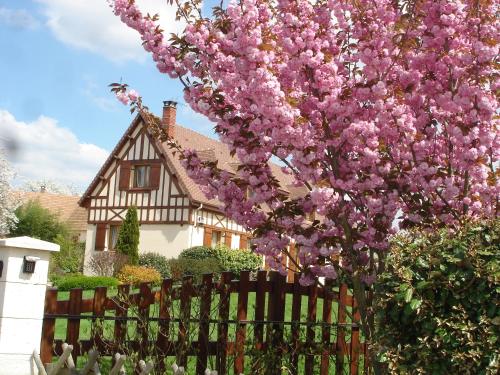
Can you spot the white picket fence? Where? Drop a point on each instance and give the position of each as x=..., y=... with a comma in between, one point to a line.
x=65, y=365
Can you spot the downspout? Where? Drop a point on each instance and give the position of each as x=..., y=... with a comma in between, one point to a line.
x=195, y=223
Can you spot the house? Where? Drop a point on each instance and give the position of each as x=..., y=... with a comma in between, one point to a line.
x=65, y=207
x=173, y=212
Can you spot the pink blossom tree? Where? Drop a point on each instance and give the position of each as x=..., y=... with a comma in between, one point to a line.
x=381, y=110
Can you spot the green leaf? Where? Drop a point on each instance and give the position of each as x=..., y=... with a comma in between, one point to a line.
x=422, y=285
x=408, y=295
x=415, y=303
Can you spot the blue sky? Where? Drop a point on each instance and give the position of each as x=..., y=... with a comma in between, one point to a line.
x=56, y=61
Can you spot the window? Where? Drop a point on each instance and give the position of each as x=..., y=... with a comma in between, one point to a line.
x=113, y=236
x=216, y=238
x=140, y=176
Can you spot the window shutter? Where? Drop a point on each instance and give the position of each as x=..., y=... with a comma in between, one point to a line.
x=154, y=182
x=207, y=237
x=124, y=176
x=243, y=242
x=100, y=237
x=227, y=241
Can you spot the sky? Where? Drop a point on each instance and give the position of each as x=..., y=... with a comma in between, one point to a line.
x=58, y=119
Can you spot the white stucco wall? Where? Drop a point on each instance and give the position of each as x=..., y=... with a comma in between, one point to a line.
x=196, y=235
x=166, y=239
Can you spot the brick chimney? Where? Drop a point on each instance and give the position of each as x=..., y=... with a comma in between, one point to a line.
x=168, y=118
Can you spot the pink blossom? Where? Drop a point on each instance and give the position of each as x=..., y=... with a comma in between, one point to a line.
x=368, y=118
x=122, y=97
x=133, y=95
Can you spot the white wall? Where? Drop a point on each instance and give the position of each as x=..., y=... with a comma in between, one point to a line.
x=196, y=235
x=166, y=239
x=22, y=297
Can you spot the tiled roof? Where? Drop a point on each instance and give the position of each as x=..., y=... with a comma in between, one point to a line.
x=212, y=149
x=65, y=206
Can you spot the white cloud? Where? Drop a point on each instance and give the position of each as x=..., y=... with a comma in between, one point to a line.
x=18, y=18
x=91, y=25
x=91, y=91
x=43, y=150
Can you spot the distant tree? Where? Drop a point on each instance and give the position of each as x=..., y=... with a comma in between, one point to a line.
x=33, y=220
x=128, y=237
x=50, y=186
x=8, y=201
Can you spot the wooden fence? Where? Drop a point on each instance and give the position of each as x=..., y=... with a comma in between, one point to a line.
x=225, y=324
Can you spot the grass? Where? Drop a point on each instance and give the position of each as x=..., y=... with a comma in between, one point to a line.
x=108, y=326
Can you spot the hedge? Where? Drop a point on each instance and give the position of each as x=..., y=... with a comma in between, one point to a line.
x=233, y=260
x=438, y=303
x=84, y=282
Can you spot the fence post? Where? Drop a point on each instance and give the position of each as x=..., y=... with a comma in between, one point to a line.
x=185, y=316
x=295, y=327
x=23, y=282
x=341, y=347
x=311, y=328
x=162, y=342
x=222, y=331
x=98, y=323
x=48, y=326
x=204, y=330
x=325, y=330
x=276, y=314
x=244, y=286
x=73, y=331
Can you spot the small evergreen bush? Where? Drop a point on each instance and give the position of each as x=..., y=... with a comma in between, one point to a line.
x=84, y=282
x=233, y=260
x=128, y=236
x=193, y=267
x=198, y=252
x=130, y=274
x=237, y=260
x=156, y=261
x=438, y=303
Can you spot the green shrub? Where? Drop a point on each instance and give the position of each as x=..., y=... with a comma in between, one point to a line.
x=69, y=259
x=233, y=260
x=130, y=274
x=198, y=252
x=128, y=236
x=438, y=303
x=237, y=260
x=84, y=282
x=156, y=261
x=193, y=267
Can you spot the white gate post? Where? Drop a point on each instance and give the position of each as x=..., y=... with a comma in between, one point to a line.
x=24, y=264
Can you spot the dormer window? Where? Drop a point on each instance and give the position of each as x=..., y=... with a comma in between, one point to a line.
x=140, y=176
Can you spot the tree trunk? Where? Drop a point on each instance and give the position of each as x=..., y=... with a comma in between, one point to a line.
x=367, y=324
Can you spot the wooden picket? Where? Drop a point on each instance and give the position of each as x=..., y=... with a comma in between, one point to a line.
x=219, y=334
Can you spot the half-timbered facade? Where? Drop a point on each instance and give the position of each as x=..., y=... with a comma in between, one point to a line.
x=173, y=212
